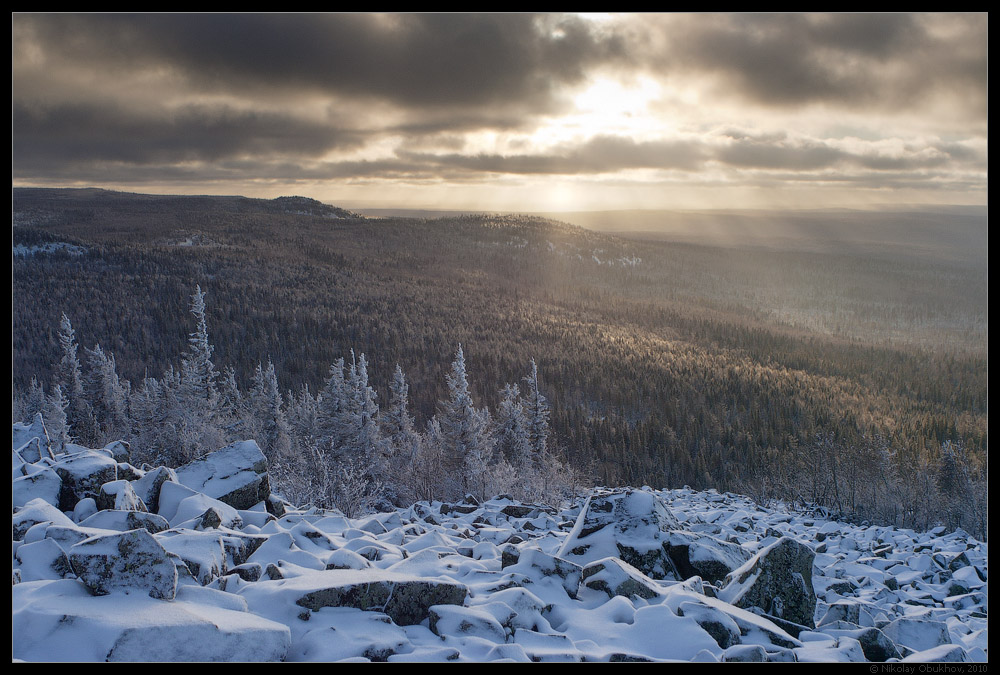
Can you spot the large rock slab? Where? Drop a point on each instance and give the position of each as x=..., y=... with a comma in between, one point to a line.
x=60, y=621
x=405, y=598
x=236, y=475
x=778, y=580
x=624, y=523
x=130, y=561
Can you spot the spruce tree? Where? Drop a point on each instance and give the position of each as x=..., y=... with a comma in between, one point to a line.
x=512, y=427
x=538, y=415
x=34, y=401
x=107, y=395
x=268, y=417
x=464, y=433
x=397, y=424
x=54, y=416
x=198, y=373
x=70, y=380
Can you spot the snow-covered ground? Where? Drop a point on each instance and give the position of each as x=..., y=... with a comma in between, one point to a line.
x=20, y=250
x=114, y=563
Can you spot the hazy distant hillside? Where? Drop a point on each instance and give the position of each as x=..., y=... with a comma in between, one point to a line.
x=666, y=363
x=939, y=233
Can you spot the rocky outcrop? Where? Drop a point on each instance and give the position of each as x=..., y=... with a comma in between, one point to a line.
x=202, y=580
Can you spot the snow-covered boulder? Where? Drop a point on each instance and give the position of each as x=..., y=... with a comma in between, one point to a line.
x=130, y=561
x=236, y=475
x=123, y=521
x=616, y=577
x=703, y=555
x=42, y=559
x=42, y=483
x=623, y=523
x=120, y=451
x=404, y=598
x=723, y=629
x=939, y=654
x=120, y=496
x=538, y=566
x=83, y=473
x=34, y=451
x=149, y=485
x=778, y=580
x=456, y=620
x=34, y=512
x=918, y=634
x=876, y=645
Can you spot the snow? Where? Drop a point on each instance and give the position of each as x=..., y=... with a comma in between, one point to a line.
x=22, y=251
x=429, y=583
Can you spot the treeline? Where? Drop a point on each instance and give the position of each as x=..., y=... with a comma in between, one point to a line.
x=337, y=447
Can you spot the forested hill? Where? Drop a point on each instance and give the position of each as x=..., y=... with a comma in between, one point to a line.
x=825, y=377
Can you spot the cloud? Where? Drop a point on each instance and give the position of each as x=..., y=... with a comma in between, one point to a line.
x=734, y=99
x=420, y=60
x=77, y=132
x=842, y=60
x=597, y=155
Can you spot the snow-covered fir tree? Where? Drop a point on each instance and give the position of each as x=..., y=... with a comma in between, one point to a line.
x=268, y=416
x=69, y=377
x=537, y=410
x=107, y=395
x=464, y=430
x=33, y=402
x=329, y=409
x=511, y=426
x=55, y=420
x=198, y=373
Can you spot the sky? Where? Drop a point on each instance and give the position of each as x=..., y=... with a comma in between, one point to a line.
x=508, y=112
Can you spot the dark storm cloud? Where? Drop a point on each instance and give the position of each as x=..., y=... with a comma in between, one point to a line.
x=426, y=60
x=881, y=60
x=73, y=132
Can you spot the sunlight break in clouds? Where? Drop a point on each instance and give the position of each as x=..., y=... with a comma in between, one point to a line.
x=507, y=111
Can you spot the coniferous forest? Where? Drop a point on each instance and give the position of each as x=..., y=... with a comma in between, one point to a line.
x=380, y=360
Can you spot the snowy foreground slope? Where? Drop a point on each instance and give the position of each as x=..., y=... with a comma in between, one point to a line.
x=201, y=563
